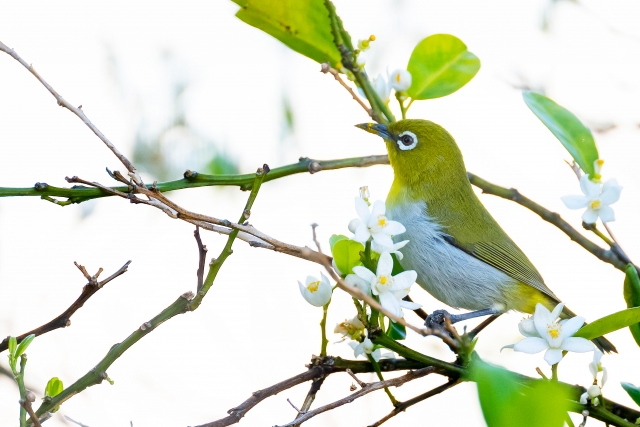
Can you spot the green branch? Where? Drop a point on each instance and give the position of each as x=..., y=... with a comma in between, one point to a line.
x=79, y=194
x=186, y=302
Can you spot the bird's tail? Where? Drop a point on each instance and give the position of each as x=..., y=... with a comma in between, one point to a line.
x=601, y=342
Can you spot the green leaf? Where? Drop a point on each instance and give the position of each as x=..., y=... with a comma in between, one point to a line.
x=346, y=255
x=13, y=344
x=440, y=65
x=506, y=402
x=54, y=388
x=24, y=344
x=632, y=297
x=336, y=238
x=304, y=26
x=575, y=136
x=633, y=391
x=396, y=331
x=610, y=323
x=397, y=268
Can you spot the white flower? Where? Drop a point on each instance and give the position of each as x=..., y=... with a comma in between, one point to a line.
x=365, y=347
x=400, y=80
x=382, y=88
x=551, y=335
x=597, y=199
x=597, y=168
x=358, y=282
x=374, y=224
x=389, y=289
x=364, y=193
x=316, y=292
x=352, y=328
x=592, y=393
x=394, y=249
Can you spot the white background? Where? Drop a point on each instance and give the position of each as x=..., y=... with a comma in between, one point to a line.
x=253, y=328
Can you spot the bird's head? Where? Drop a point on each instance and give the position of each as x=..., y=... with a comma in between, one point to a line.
x=419, y=150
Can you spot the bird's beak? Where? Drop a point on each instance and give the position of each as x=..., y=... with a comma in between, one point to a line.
x=377, y=129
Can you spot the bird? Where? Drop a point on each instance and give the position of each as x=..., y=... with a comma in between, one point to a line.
x=461, y=254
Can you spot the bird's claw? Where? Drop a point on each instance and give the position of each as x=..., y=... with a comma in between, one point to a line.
x=436, y=319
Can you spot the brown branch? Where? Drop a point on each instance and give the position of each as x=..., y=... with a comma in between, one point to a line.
x=26, y=404
x=316, y=383
x=402, y=406
x=77, y=111
x=202, y=252
x=326, y=68
x=512, y=194
x=64, y=319
x=368, y=388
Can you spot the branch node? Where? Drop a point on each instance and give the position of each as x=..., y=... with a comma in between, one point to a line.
x=145, y=326
x=41, y=186
x=187, y=295
x=189, y=174
x=314, y=166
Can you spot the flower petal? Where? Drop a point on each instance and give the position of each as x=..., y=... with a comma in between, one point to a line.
x=383, y=240
x=577, y=345
x=310, y=279
x=555, y=313
x=364, y=273
x=589, y=188
x=378, y=209
x=394, y=228
x=553, y=356
x=607, y=214
x=575, y=202
x=404, y=280
x=583, y=398
x=541, y=319
x=528, y=328
x=358, y=282
x=531, y=345
x=610, y=192
x=353, y=225
x=362, y=209
x=390, y=303
x=571, y=326
x=605, y=375
x=335, y=267
x=589, y=216
x=593, y=368
x=409, y=305
x=362, y=233
x=376, y=354
x=385, y=265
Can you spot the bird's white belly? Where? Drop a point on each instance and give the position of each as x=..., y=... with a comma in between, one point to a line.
x=449, y=274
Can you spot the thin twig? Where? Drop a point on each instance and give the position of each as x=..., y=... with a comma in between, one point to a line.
x=316, y=383
x=326, y=68
x=368, y=388
x=64, y=319
x=77, y=111
x=361, y=383
x=74, y=421
x=26, y=404
x=402, y=406
x=202, y=257
x=294, y=406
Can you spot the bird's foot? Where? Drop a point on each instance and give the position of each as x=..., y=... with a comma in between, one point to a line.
x=436, y=319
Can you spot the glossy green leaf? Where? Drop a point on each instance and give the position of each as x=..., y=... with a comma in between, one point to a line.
x=304, y=26
x=346, y=255
x=633, y=391
x=396, y=331
x=610, y=323
x=397, y=268
x=24, y=344
x=336, y=238
x=440, y=65
x=506, y=402
x=575, y=136
x=632, y=297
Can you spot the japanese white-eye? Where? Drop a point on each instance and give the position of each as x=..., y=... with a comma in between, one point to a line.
x=462, y=256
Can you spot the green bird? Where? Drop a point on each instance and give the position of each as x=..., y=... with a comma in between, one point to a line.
x=461, y=254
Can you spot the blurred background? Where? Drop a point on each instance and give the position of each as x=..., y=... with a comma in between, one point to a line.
x=186, y=85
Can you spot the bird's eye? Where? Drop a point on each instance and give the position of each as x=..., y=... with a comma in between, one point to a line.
x=407, y=140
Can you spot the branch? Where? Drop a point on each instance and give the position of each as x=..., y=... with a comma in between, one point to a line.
x=366, y=389
x=64, y=319
x=326, y=68
x=402, y=406
x=202, y=252
x=512, y=194
x=186, y=302
x=77, y=111
x=79, y=194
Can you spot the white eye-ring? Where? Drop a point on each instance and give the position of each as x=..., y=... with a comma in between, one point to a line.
x=407, y=141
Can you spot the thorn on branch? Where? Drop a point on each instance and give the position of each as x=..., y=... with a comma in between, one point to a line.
x=362, y=384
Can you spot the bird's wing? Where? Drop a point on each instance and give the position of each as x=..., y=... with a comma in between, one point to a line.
x=507, y=258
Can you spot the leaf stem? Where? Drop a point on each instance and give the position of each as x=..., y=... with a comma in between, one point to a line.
x=323, y=329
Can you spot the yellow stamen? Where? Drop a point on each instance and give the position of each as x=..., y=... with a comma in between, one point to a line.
x=382, y=221
x=398, y=77
x=383, y=280
x=596, y=204
x=313, y=286
x=554, y=331
x=372, y=37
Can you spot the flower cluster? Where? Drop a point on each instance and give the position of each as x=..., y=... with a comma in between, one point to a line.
x=595, y=389
x=371, y=272
x=399, y=80
x=597, y=198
